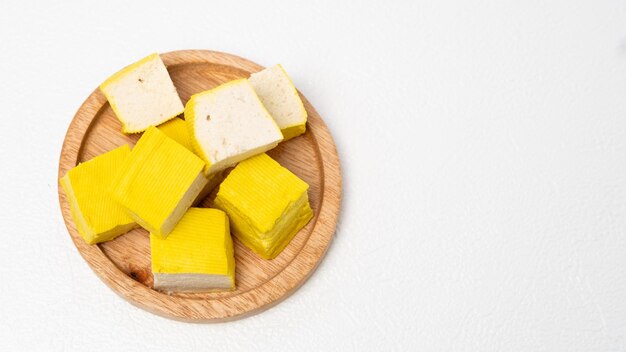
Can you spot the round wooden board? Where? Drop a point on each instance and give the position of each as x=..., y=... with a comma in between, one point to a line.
x=124, y=263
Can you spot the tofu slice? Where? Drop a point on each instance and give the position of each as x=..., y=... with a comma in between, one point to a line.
x=158, y=182
x=96, y=216
x=267, y=204
x=177, y=130
x=142, y=95
x=197, y=255
x=280, y=97
x=229, y=124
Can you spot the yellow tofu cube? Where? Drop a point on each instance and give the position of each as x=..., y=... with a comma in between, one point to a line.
x=197, y=255
x=267, y=204
x=158, y=182
x=96, y=216
x=142, y=95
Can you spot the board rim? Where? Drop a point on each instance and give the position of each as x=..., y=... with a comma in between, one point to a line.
x=272, y=291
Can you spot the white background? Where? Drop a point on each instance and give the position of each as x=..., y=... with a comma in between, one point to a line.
x=483, y=147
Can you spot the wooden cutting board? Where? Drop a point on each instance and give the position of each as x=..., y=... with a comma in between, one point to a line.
x=124, y=263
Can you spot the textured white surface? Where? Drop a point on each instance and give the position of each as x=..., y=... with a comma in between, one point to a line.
x=144, y=96
x=483, y=148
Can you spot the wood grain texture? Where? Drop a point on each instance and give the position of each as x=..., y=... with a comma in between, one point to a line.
x=124, y=263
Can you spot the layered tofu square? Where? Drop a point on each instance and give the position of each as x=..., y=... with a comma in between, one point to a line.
x=142, y=95
x=196, y=256
x=229, y=124
x=158, y=182
x=267, y=204
x=278, y=94
x=97, y=217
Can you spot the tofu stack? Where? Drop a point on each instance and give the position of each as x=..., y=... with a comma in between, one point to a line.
x=266, y=203
x=229, y=124
x=196, y=256
x=96, y=216
x=158, y=182
x=142, y=95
